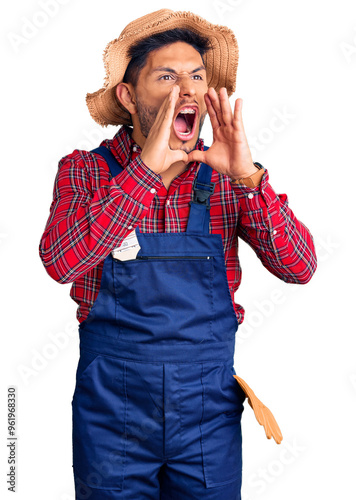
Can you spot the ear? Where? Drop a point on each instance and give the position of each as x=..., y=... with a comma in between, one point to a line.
x=126, y=95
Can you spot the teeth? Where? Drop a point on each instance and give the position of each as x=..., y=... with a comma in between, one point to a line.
x=187, y=111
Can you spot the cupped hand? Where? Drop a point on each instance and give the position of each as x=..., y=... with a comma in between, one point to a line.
x=230, y=153
x=156, y=153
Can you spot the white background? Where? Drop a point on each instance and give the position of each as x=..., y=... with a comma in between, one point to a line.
x=298, y=353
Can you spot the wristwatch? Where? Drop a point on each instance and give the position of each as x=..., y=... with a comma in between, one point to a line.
x=254, y=179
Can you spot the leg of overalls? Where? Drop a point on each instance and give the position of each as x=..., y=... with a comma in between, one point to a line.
x=156, y=430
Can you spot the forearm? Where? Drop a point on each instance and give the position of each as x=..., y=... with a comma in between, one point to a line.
x=283, y=243
x=85, y=224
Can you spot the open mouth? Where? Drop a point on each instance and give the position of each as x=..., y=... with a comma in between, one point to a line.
x=185, y=123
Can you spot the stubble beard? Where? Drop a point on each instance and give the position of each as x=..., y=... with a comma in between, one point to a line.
x=146, y=116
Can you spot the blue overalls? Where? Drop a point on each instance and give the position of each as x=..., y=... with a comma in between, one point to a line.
x=156, y=410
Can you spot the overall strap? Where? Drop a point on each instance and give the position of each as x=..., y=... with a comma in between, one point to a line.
x=114, y=165
x=199, y=215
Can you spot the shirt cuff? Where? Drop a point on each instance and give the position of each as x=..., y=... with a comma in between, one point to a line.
x=138, y=181
x=252, y=198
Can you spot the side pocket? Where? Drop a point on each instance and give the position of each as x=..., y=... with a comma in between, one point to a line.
x=220, y=426
x=239, y=389
x=99, y=419
x=85, y=360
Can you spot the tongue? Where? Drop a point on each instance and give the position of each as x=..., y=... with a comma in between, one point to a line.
x=181, y=124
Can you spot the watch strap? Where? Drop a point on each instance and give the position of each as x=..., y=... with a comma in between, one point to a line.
x=254, y=179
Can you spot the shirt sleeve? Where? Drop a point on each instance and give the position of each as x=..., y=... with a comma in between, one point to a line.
x=85, y=224
x=283, y=244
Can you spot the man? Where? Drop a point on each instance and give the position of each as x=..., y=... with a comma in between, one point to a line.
x=146, y=228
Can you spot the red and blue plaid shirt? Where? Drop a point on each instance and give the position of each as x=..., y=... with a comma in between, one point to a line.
x=90, y=215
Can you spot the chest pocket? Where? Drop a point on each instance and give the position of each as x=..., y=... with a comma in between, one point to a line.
x=166, y=299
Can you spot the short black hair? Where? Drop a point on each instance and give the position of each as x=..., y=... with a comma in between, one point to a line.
x=139, y=51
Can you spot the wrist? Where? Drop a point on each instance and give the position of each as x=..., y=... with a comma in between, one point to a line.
x=246, y=173
x=252, y=179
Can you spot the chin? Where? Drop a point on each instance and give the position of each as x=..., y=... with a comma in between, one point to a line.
x=186, y=146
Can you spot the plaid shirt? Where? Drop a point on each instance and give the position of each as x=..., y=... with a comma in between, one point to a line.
x=90, y=215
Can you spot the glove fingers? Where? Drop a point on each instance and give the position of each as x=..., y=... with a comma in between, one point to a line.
x=262, y=413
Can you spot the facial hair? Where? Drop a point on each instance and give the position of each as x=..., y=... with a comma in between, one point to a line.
x=147, y=114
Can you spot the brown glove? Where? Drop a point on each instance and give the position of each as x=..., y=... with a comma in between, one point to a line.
x=262, y=413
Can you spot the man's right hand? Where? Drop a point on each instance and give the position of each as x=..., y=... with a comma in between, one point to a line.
x=156, y=153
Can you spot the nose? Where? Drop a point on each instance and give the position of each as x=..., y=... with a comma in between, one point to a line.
x=186, y=86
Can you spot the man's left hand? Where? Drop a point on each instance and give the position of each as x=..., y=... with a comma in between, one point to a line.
x=230, y=153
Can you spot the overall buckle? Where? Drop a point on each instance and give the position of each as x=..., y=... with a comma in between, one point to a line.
x=202, y=192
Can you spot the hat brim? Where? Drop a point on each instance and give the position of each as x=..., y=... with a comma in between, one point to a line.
x=221, y=60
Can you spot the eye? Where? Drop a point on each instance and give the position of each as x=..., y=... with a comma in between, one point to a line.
x=198, y=76
x=165, y=77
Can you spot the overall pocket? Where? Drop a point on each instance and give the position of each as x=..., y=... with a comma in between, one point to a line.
x=221, y=438
x=86, y=358
x=165, y=298
x=99, y=414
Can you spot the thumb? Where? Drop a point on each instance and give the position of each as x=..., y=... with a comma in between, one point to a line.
x=196, y=155
x=179, y=155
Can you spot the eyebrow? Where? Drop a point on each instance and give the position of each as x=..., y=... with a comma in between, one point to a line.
x=170, y=70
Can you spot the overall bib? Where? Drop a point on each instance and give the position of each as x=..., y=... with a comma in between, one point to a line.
x=156, y=409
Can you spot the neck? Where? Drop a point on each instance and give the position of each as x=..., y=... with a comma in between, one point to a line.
x=172, y=172
x=138, y=137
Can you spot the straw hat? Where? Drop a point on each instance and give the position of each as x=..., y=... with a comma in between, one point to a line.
x=220, y=61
